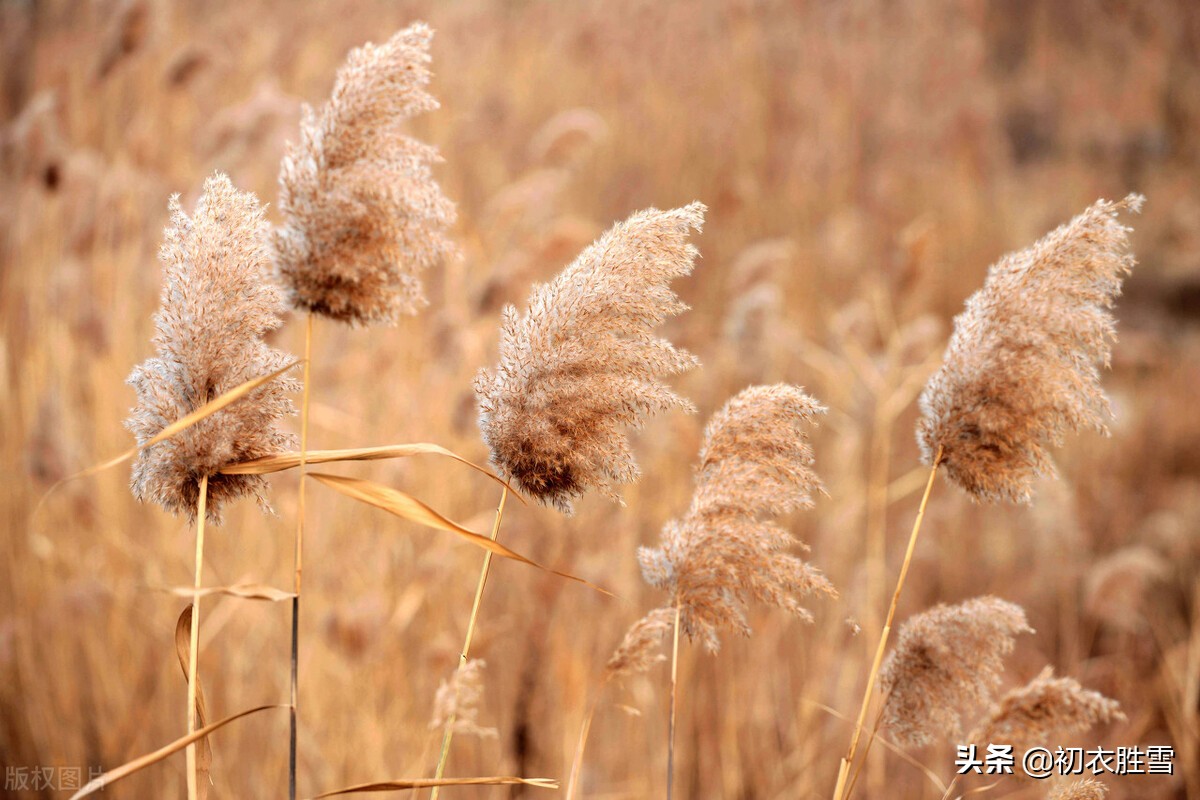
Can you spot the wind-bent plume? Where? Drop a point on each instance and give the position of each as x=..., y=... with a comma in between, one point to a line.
x=1046, y=706
x=1023, y=365
x=217, y=302
x=582, y=364
x=362, y=213
x=640, y=649
x=947, y=660
x=756, y=463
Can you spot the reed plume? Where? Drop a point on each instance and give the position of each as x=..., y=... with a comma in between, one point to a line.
x=946, y=660
x=217, y=302
x=1082, y=789
x=362, y=213
x=456, y=704
x=1046, y=706
x=755, y=463
x=582, y=364
x=638, y=651
x=1022, y=366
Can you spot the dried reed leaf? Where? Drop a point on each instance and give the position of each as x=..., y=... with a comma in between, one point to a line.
x=140, y=763
x=408, y=507
x=421, y=783
x=284, y=461
x=183, y=649
x=246, y=591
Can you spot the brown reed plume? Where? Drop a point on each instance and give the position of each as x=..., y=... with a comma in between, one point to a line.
x=1082, y=789
x=217, y=302
x=457, y=702
x=946, y=660
x=582, y=364
x=1046, y=706
x=362, y=213
x=756, y=463
x=1022, y=367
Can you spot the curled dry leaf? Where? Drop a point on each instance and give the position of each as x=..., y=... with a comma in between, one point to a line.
x=183, y=649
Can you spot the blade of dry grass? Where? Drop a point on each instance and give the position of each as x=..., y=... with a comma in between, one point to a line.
x=140, y=763
x=284, y=461
x=183, y=650
x=193, y=679
x=426, y=783
x=246, y=591
x=407, y=507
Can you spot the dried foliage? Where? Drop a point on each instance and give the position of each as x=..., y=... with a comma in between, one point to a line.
x=1082, y=789
x=946, y=660
x=755, y=463
x=217, y=302
x=1022, y=367
x=362, y=212
x=582, y=364
x=638, y=651
x=457, y=701
x=1045, y=707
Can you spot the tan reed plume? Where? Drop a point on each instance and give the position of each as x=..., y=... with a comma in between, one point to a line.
x=457, y=701
x=1022, y=367
x=362, y=213
x=946, y=660
x=1046, y=706
x=639, y=650
x=217, y=302
x=755, y=463
x=1082, y=789
x=582, y=363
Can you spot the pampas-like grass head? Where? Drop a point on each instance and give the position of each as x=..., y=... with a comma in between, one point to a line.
x=582, y=364
x=1022, y=367
x=362, y=213
x=217, y=302
x=755, y=463
x=1046, y=706
x=946, y=660
x=1082, y=789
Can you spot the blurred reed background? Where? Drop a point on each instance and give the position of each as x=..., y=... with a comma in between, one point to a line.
x=863, y=163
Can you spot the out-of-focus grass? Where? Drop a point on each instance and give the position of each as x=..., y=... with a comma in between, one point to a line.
x=890, y=152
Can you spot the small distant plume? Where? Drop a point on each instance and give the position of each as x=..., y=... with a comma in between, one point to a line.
x=1083, y=789
x=217, y=302
x=1045, y=707
x=458, y=699
x=1022, y=367
x=362, y=212
x=639, y=650
x=582, y=364
x=755, y=463
x=947, y=659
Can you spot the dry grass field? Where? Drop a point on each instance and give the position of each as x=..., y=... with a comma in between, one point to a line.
x=862, y=163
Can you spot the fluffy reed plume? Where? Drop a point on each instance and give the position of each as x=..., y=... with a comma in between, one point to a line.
x=582, y=363
x=1022, y=367
x=755, y=462
x=217, y=302
x=362, y=212
x=1046, y=706
x=457, y=701
x=1083, y=789
x=638, y=651
x=947, y=659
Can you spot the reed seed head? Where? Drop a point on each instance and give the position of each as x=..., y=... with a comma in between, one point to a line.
x=458, y=699
x=639, y=650
x=946, y=660
x=582, y=364
x=1045, y=707
x=1022, y=366
x=755, y=463
x=362, y=213
x=1082, y=789
x=217, y=303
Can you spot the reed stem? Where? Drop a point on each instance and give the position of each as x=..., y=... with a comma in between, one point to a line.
x=201, y=511
x=844, y=768
x=448, y=735
x=299, y=562
x=674, y=684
